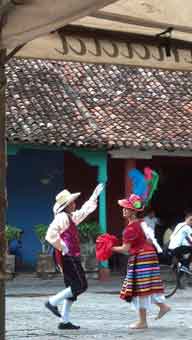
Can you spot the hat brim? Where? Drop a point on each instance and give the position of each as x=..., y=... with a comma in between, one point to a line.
x=127, y=205
x=59, y=207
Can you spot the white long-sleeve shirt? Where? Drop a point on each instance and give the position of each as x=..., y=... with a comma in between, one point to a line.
x=181, y=236
x=61, y=221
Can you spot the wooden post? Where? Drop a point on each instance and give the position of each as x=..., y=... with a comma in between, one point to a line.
x=2, y=186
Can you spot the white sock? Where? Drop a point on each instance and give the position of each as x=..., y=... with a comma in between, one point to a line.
x=58, y=298
x=66, y=310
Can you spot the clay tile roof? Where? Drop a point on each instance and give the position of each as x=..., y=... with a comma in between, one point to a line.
x=74, y=104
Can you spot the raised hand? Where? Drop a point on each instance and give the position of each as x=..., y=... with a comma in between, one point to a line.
x=97, y=191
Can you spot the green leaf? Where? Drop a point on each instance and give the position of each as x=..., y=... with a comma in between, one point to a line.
x=40, y=231
x=89, y=231
x=12, y=233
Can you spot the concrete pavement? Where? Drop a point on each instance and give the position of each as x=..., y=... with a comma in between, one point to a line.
x=100, y=312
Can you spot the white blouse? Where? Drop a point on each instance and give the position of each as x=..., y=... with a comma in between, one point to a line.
x=61, y=221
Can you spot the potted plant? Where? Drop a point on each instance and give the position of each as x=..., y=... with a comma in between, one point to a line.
x=88, y=233
x=45, y=262
x=11, y=233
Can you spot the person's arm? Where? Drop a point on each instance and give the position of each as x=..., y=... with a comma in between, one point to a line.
x=149, y=233
x=150, y=236
x=122, y=249
x=189, y=240
x=56, y=228
x=189, y=235
x=88, y=207
x=129, y=235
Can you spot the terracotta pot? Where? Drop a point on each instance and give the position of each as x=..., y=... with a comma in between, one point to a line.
x=88, y=260
x=45, y=266
x=10, y=265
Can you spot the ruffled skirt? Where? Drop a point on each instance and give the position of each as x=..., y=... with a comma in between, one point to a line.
x=143, y=284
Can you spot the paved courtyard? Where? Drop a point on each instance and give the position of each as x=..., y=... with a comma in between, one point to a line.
x=99, y=312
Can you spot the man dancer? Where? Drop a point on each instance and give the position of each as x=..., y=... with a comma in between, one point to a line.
x=63, y=235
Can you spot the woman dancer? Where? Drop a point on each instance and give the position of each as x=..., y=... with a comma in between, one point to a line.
x=142, y=285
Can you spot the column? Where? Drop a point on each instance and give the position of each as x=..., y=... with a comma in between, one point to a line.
x=99, y=159
x=102, y=178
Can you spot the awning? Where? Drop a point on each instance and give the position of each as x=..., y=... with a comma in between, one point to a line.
x=34, y=18
x=144, y=17
x=150, y=33
x=29, y=19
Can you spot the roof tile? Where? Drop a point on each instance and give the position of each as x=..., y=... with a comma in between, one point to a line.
x=110, y=106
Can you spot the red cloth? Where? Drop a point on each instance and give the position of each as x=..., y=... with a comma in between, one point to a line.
x=104, y=244
x=58, y=257
x=134, y=235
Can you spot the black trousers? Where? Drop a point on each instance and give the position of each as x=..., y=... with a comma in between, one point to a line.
x=74, y=275
x=183, y=250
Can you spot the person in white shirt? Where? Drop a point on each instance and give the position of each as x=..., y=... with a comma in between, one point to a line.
x=151, y=220
x=63, y=235
x=180, y=243
x=149, y=223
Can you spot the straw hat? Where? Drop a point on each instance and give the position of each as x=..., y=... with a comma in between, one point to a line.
x=63, y=199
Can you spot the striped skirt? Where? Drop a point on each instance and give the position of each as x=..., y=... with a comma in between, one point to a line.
x=143, y=276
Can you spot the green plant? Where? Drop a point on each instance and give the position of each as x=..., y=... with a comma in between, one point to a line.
x=89, y=231
x=12, y=233
x=40, y=231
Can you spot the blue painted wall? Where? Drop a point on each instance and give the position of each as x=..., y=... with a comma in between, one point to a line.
x=34, y=178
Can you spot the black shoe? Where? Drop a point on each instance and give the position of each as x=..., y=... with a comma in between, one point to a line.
x=53, y=309
x=67, y=325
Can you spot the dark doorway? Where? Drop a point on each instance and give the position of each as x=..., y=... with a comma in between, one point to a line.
x=173, y=196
